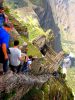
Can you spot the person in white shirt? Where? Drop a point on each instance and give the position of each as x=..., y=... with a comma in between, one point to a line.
x=66, y=64
x=15, y=57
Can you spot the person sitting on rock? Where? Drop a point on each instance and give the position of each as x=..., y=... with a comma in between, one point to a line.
x=27, y=64
x=15, y=57
x=4, y=46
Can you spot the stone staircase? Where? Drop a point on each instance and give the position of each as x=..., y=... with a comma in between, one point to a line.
x=54, y=58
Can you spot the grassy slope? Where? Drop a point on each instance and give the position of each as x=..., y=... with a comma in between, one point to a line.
x=71, y=78
x=29, y=21
x=32, y=50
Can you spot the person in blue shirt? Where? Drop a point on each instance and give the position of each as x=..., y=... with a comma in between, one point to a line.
x=4, y=45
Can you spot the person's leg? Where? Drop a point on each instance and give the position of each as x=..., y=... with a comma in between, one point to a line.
x=5, y=66
x=1, y=56
x=18, y=68
x=12, y=68
x=24, y=67
x=4, y=62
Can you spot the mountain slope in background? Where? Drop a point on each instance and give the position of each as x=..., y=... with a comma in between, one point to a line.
x=57, y=15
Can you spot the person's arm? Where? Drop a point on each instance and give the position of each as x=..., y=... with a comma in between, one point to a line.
x=19, y=56
x=29, y=64
x=4, y=49
x=26, y=58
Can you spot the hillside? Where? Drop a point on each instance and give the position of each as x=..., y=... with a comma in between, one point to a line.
x=51, y=14
x=38, y=24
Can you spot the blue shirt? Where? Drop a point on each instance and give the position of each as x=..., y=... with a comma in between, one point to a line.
x=4, y=37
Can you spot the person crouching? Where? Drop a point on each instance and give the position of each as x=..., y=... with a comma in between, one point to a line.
x=27, y=64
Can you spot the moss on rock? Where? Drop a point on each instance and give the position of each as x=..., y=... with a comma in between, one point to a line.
x=51, y=90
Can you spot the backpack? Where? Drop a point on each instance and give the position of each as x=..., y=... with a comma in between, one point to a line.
x=2, y=19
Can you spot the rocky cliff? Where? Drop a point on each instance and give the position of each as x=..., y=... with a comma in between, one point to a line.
x=26, y=87
x=57, y=15
x=50, y=85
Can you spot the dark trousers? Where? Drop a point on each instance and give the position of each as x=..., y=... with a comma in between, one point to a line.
x=15, y=68
x=3, y=61
x=25, y=67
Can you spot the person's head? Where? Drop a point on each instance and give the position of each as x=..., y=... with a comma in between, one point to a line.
x=16, y=42
x=1, y=9
x=30, y=57
x=7, y=27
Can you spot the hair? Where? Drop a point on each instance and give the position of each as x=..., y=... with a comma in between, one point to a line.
x=16, y=42
x=1, y=8
x=7, y=25
x=30, y=57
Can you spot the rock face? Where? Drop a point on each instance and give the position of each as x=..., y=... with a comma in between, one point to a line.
x=58, y=15
x=64, y=18
x=40, y=41
x=54, y=14
x=14, y=87
x=19, y=84
x=42, y=11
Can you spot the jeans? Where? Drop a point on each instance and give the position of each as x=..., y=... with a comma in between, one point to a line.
x=3, y=61
x=25, y=68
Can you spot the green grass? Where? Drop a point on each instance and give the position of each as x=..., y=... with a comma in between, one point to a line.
x=34, y=28
x=32, y=25
x=32, y=50
x=71, y=78
x=34, y=31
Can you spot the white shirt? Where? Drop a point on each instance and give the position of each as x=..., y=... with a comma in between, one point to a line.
x=29, y=62
x=66, y=62
x=14, y=56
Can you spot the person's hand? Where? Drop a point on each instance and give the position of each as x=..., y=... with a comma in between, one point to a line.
x=6, y=57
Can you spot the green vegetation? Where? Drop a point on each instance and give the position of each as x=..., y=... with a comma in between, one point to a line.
x=71, y=78
x=34, y=94
x=8, y=96
x=33, y=28
x=31, y=23
x=53, y=89
x=32, y=50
